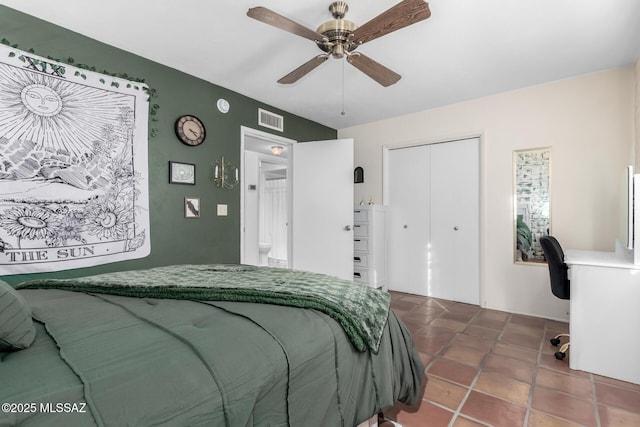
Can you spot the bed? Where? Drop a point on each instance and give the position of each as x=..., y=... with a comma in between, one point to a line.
x=203, y=345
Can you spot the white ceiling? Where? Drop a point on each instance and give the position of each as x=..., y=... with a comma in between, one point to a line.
x=466, y=49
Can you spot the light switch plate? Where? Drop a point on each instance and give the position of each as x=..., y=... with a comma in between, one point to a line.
x=222, y=210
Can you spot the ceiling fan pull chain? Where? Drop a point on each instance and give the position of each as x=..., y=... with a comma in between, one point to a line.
x=342, y=113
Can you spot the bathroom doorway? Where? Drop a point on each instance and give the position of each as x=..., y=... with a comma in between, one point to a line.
x=319, y=211
x=266, y=195
x=273, y=202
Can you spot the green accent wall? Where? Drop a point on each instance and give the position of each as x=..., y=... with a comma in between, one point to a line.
x=174, y=239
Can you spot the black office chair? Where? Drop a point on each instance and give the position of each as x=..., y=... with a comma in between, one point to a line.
x=559, y=281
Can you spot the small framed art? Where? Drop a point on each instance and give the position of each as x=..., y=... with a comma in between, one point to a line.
x=182, y=173
x=192, y=207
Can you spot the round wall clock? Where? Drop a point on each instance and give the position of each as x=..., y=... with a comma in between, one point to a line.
x=223, y=105
x=190, y=130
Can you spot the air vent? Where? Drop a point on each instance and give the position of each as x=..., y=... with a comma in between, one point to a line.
x=270, y=120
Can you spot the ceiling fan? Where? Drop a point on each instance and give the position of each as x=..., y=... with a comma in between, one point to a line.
x=339, y=38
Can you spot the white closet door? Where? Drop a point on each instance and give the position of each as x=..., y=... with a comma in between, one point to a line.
x=442, y=210
x=408, y=201
x=455, y=226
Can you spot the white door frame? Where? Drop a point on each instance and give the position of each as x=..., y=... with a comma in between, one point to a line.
x=268, y=138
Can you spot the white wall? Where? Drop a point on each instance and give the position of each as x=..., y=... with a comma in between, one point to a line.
x=637, y=116
x=588, y=121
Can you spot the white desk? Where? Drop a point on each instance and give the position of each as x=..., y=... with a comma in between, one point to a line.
x=605, y=314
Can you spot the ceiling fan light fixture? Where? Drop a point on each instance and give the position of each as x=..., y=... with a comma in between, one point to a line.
x=338, y=51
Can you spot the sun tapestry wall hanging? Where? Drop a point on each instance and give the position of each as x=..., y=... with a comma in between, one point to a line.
x=73, y=166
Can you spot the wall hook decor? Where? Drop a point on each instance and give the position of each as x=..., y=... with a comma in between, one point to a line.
x=358, y=175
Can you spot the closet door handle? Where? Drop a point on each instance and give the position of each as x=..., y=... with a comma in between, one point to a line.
x=456, y=228
x=347, y=228
x=405, y=226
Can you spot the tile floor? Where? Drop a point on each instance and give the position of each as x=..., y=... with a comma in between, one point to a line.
x=493, y=368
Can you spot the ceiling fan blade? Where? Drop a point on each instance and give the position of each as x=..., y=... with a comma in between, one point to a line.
x=373, y=69
x=270, y=17
x=405, y=13
x=303, y=70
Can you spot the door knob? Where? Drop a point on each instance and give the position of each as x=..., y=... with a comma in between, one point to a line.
x=405, y=226
x=347, y=228
x=456, y=228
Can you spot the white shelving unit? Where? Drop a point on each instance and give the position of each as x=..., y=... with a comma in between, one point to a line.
x=369, y=246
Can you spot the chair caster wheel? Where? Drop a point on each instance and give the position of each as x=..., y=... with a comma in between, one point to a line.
x=559, y=355
x=554, y=341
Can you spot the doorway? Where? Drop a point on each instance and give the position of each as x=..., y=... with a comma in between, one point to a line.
x=266, y=199
x=273, y=206
x=319, y=204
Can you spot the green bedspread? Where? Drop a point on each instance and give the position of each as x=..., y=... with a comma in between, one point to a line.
x=117, y=360
x=360, y=310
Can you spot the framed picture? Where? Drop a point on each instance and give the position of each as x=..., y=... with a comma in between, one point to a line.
x=182, y=173
x=192, y=207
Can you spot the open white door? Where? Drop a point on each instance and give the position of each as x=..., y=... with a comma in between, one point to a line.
x=322, y=217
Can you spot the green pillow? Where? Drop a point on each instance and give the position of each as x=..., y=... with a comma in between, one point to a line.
x=16, y=326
